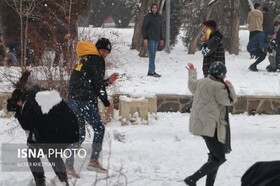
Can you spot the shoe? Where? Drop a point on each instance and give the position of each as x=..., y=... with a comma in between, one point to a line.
x=154, y=74
x=94, y=165
x=71, y=171
x=253, y=68
x=189, y=181
x=40, y=182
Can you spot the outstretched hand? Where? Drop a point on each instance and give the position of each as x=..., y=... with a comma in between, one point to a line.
x=113, y=78
x=190, y=66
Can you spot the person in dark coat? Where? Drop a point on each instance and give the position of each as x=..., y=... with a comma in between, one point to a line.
x=257, y=46
x=267, y=19
x=49, y=127
x=212, y=49
x=262, y=174
x=153, y=35
x=87, y=84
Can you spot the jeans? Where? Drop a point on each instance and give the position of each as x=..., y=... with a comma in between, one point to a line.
x=152, y=47
x=260, y=56
x=89, y=112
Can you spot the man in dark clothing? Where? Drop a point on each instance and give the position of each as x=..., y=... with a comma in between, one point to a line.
x=213, y=49
x=153, y=35
x=257, y=46
x=267, y=20
x=86, y=85
x=53, y=128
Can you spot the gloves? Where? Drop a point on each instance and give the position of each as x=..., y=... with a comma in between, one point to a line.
x=272, y=44
x=205, y=51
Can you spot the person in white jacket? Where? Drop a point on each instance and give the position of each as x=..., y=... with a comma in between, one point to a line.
x=209, y=118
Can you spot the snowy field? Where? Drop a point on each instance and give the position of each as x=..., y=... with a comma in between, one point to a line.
x=164, y=152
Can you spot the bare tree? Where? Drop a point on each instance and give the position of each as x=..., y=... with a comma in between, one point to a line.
x=234, y=32
x=24, y=9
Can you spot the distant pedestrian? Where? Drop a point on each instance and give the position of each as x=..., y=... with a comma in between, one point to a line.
x=153, y=35
x=212, y=48
x=267, y=20
x=255, y=21
x=208, y=118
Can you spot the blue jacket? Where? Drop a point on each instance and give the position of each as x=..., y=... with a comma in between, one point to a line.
x=259, y=41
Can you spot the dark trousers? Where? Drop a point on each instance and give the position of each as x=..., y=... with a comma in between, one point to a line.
x=253, y=33
x=260, y=56
x=36, y=166
x=216, y=157
x=89, y=112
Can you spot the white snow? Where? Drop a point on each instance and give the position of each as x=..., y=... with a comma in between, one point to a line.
x=47, y=99
x=163, y=153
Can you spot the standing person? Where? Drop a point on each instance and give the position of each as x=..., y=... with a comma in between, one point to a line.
x=255, y=21
x=267, y=20
x=257, y=46
x=50, y=126
x=153, y=35
x=212, y=95
x=86, y=85
x=213, y=48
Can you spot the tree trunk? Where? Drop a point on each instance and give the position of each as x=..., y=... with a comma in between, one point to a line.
x=234, y=35
x=137, y=39
x=196, y=33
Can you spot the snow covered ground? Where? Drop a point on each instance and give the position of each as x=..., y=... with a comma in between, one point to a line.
x=164, y=152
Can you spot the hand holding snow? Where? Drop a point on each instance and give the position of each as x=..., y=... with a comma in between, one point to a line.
x=48, y=99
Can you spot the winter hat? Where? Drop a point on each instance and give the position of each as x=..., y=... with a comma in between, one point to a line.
x=210, y=23
x=217, y=69
x=103, y=43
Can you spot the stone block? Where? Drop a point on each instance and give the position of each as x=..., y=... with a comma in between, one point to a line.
x=133, y=109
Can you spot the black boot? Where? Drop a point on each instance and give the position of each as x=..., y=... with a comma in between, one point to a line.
x=206, y=169
x=40, y=182
x=189, y=181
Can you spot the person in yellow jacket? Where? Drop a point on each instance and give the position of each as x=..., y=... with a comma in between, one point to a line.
x=86, y=85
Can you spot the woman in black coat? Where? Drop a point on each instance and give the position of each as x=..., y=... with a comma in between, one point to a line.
x=49, y=128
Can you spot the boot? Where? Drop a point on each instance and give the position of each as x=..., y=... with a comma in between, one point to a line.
x=253, y=68
x=40, y=182
x=206, y=169
x=71, y=171
x=189, y=181
x=94, y=165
